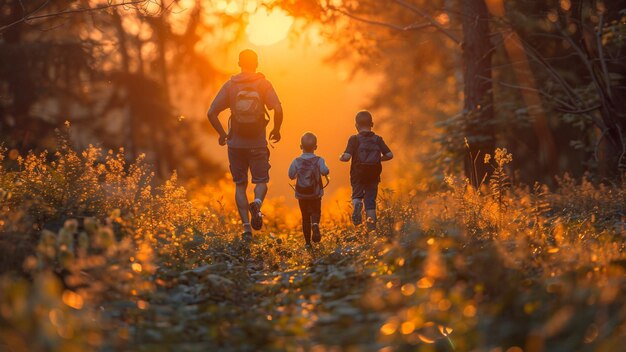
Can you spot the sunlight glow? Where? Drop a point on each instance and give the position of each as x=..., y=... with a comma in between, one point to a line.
x=267, y=28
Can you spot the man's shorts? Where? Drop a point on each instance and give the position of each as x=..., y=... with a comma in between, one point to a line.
x=255, y=159
x=367, y=192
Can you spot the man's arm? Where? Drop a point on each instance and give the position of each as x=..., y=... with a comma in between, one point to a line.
x=278, y=121
x=386, y=157
x=219, y=104
x=271, y=100
x=345, y=157
x=217, y=125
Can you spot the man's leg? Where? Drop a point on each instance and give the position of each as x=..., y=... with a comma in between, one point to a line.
x=241, y=198
x=238, y=160
x=260, y=191
x=259, y=168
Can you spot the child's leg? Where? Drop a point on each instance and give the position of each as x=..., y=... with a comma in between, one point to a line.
x=306, y=219
x=316, y=210
x=371, y=192
x=371, y=219
x=316, y=214
x=357, y=203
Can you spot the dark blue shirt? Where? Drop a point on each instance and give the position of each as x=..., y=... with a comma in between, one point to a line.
x=353, y=145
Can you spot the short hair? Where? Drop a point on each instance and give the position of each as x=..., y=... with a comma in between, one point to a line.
x=364, y=118
x=308, y=141
x=248, y=58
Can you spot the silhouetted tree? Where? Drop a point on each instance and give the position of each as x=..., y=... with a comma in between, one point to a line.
x=115, y=72
x=478, y=92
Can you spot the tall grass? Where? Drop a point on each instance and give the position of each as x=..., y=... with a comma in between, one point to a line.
x=107, y=258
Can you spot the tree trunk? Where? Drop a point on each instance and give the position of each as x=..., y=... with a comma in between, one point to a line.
x=478, y=106
x=131, y=141
x=614, y=13
x=612, y=135
x=525, y=77
x=162, y=141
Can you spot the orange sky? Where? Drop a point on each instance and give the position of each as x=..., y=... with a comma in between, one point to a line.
x=315, y=97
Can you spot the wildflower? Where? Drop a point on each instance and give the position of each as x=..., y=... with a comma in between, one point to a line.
x=449, y=180
x=503, y=157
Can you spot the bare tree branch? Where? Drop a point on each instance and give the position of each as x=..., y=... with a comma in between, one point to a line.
x=579, y=111
x=33, y=16
x=431, y=20
x=41, y=7
x=585, y=60
x=535, y=55
x=382, y=24
x=605, y=71
x=565, y=106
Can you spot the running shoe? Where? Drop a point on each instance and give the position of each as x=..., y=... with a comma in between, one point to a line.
x=255, y=213
x=317, y=236
x=357, y=214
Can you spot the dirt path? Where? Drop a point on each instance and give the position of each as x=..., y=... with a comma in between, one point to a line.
x=271, y=294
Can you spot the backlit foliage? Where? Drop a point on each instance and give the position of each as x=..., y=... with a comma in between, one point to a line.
x=118, y=262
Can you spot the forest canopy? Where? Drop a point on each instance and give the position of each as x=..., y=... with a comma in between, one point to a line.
x=502, y=70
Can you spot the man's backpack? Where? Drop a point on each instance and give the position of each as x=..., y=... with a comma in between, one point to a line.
x=308, y=179
x=368, y=158
x=248, y=110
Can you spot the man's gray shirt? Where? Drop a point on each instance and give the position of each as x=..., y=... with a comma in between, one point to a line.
x=223, y=101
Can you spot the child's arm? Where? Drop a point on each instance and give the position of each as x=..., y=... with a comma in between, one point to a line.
x=323, y=168
x=385, y=151
x=386, y=157
x=347, y=155
x=293, y=170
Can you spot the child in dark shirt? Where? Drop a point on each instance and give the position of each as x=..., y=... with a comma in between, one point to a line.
x=307, y=170
x=367, y=150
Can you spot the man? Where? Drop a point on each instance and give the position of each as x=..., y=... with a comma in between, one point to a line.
x=247, y=95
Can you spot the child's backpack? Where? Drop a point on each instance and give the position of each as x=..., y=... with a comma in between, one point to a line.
x=248, y=110
x=308, y=179
x=368, y=158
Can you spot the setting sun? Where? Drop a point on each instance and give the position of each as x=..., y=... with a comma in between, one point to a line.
x=267, y=28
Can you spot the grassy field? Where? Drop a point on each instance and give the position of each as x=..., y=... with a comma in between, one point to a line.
x=97, y=256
